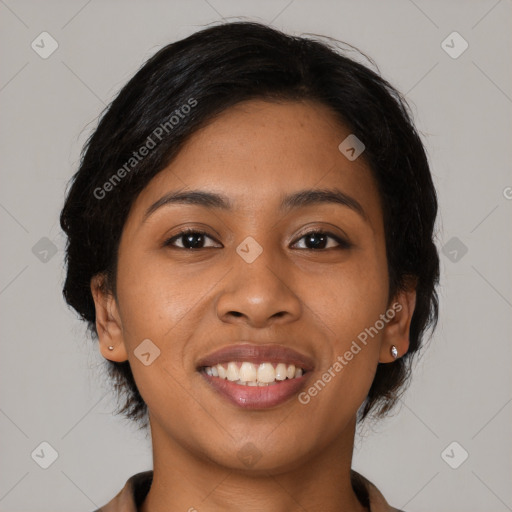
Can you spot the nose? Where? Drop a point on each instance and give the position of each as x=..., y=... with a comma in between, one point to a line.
x=257, y=294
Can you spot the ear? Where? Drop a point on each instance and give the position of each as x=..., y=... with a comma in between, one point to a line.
x=108, y=321
x=396, y=332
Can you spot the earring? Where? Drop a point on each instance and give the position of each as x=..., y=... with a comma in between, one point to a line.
x=394, y=351
x=111, y=347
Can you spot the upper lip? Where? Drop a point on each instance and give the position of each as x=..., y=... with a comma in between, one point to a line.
x=270, y=353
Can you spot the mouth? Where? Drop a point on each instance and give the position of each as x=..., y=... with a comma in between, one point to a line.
x=256, y=376
x=245, y=373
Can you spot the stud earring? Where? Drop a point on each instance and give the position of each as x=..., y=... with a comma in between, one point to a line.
x=111, y=347
x=394, y=351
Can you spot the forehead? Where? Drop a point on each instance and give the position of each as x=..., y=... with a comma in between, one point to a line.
x=259, y=151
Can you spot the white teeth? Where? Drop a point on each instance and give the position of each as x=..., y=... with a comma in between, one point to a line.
x=266, y=373
x=233, y=373
x=248, y=374
x=280, y=371
x=221, y=371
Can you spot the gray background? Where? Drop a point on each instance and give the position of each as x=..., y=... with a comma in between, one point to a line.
x=51, y=386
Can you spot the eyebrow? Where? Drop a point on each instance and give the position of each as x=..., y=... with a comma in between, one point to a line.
x=300, y=199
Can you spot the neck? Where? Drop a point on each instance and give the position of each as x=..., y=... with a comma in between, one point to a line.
x=191, y=482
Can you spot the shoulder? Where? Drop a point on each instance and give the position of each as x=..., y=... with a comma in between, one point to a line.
x=375, y=498
x=130, y=497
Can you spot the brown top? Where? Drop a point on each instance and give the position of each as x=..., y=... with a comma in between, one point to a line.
x=131, y=496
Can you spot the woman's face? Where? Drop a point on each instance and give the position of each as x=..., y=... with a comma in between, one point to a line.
x=308, y=275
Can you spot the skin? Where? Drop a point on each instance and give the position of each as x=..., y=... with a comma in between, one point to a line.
x=190, y=302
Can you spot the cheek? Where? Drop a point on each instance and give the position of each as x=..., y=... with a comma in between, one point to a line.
x=154, y=295
x=352, y=302
x=155, y=305
x=352, y=299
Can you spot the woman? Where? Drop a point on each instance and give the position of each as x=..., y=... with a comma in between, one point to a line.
x=250, y=239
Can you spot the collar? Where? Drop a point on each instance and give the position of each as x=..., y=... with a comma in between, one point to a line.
x=136, y=488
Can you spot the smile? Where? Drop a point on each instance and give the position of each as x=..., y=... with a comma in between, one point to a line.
x=248, y=374
x=256, y=376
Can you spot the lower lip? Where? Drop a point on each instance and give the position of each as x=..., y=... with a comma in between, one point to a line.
x=257, y=397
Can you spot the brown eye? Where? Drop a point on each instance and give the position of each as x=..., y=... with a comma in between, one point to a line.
x=315, y=240
x=189, y=239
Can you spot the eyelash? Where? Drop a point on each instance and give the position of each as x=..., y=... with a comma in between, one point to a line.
x=343, y=244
